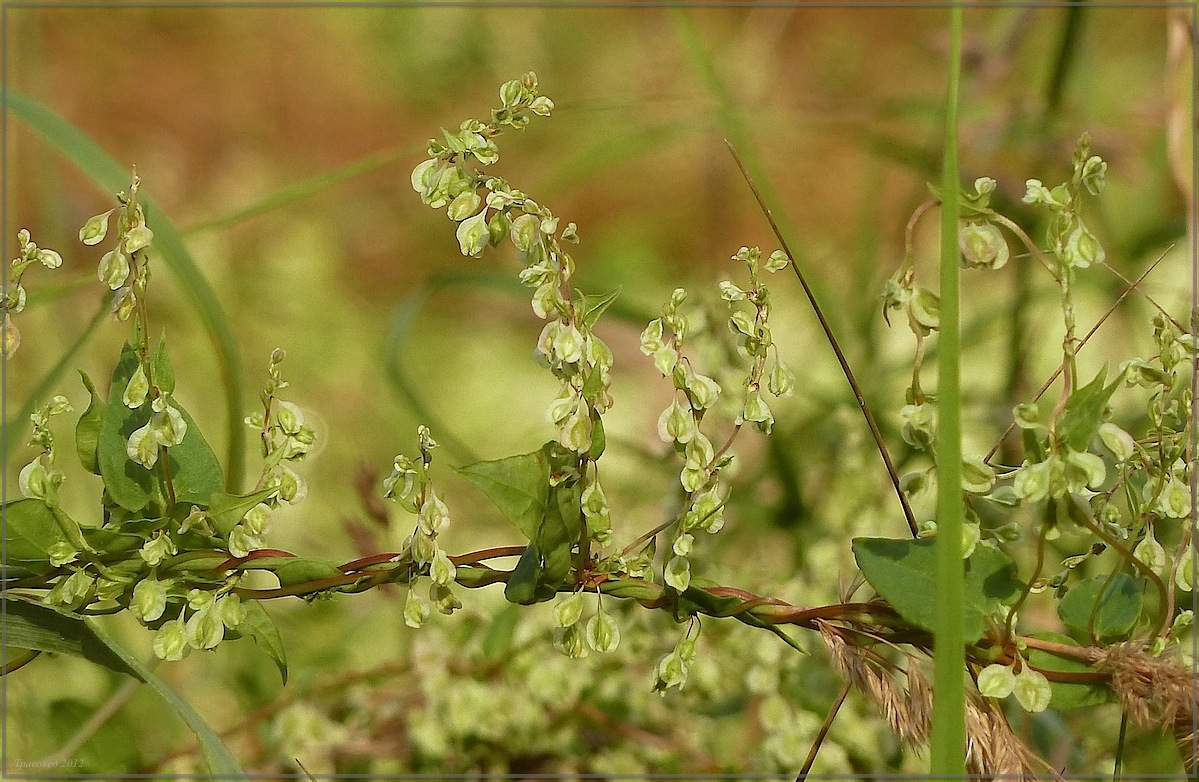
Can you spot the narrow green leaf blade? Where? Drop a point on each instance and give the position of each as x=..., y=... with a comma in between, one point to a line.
x=1083, y=412
x=112, y=176
x=594, y=305
x=226, y=510
x=87, y=431
x=257, y=624
x=160, y=367
x=30, y=625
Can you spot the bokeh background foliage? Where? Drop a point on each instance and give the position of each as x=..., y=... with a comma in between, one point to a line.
x=278, y=141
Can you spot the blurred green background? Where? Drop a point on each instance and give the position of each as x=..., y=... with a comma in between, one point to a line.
x=280, y=141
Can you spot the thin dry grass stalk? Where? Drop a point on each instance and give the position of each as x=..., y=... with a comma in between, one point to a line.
x=992, y=747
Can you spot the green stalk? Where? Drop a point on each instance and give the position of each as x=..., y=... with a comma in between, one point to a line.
x=949, y=695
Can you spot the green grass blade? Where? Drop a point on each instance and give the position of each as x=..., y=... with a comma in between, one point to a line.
x=949, y=694
x=304, y=189
x=736, y=129
x=14, y=429
x=220, y=761
x=31, y=625
x=111, y=176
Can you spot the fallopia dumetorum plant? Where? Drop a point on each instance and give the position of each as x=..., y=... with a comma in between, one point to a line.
x=555, y=495
x=173, y=547
x=1093, y=502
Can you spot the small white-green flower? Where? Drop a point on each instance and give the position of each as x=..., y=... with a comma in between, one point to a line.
x=464, y=206
x=49, y=258
x=142, y=446
x=1175, y=500
x=136, y=389
x=242, y=541
x=730, y=292
x=666, y=358
x=157, y=549
x=524, y=232
x=568, y=345
x=1083, y=249
x=676, y=424
x=292, y=488
x=139, y=237
x=570, y=641
x=982, y=246
x=777, y=261
x=1185, y=574
x=205, y=629
x=441, y=569
x=709, y=511
x=996, y=681
x=95, y=229
x=977, y=476
x=258, y=519
x=781, y=381
x=702, y=390
x=1151, y=553
x=1031, y=481
x=473, y=235
x=434, y=515
x=678, y=573
x=602, y=633
x=230, y=610
x=1032, y=689
x=149, y=599
x=569, y=610
x=757, y=411
x=169, y=426
x=416, y=611
x=170, y=642
x=113, y=269
x=651, y=337
x=1119, y=442
x=575, y=431
x=36, y=480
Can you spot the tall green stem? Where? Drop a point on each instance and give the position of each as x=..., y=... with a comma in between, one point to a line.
x=949, y=707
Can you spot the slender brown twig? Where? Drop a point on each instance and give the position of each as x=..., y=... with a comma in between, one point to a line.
x=820, y=734
x=832, y=340
x=1057, y=372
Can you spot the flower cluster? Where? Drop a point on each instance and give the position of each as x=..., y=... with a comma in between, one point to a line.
x=124, y=268
x=488, y=210
x=284, y=437
x=696, y=394
x=411, y=485
x=14, y=292
x=600, y=633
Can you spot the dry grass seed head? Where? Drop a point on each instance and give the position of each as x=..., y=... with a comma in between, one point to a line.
x=906, y=712
x=992, y=747
x=1152, y=691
